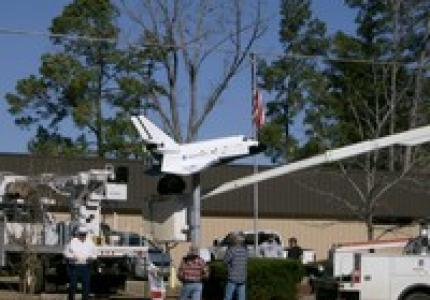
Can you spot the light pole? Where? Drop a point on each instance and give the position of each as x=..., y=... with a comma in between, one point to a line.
x=195, y=221
x=255, y=186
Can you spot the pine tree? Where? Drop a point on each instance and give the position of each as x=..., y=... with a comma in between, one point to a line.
x=83, y=95
x=292, y=80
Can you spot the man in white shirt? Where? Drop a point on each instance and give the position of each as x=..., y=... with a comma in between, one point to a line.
x=80, y=252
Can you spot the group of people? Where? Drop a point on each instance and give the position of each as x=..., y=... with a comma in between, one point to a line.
x=273, y=249
x=81, y=251
x=193, y=269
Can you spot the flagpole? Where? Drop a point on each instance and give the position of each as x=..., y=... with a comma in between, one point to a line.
x=255, y=194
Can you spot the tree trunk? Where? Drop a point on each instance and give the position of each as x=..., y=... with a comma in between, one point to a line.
x=99, y=114
x=172, y=78
x=394, y=71
x=413, y=116
x=191, y=132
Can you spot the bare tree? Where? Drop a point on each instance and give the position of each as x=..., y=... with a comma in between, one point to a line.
x=418, y=101
x=25, y=229
x=371, y=122
x=181, y=37
x=376, y=99
x=361, y=193
x=23, y=234
x=394, y=73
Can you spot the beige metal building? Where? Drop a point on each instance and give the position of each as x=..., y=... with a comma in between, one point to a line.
x=309, y=205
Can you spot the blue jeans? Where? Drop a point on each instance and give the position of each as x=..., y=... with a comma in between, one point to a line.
x=238, y=287
x=191, y=290
x=76, y=271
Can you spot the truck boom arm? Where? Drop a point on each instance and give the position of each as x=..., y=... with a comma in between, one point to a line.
x=411, y=137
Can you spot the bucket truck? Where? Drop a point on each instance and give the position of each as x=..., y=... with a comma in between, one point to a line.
x=29, y=231
x=374, y=270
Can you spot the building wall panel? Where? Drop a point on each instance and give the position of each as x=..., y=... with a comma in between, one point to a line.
x=318, y=235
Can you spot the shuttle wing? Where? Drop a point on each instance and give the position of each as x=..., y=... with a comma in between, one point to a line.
x=152, y=135
x=175, y=164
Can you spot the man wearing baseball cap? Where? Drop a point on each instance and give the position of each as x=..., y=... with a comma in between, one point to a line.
x=236, y=259
x=80, y=252
x=192, y=271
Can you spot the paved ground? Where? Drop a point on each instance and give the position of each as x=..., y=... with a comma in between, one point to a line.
x=134, y=291
x=6, y=295
x=308, y=297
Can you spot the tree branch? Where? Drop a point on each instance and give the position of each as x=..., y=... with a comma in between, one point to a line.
x=352, y=183
x=352, y=208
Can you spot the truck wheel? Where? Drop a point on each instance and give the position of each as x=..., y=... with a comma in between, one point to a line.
x=418, y=296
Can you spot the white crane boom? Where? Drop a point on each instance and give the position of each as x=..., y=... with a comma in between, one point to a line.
x=411, y=137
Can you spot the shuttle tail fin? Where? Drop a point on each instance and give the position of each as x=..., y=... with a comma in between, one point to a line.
x=151, y=134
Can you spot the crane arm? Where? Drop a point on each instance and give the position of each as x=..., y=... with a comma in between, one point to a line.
x=411, y=137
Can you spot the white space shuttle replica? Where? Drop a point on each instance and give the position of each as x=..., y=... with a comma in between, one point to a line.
x=187, y=159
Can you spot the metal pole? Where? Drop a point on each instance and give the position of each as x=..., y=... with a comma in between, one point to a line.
x=2, y=241
x=255, y=198
x=195, y=211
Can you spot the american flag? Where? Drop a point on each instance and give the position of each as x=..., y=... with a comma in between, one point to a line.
x=257, y=110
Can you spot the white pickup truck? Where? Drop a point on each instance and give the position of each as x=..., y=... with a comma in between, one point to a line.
x=364, y=271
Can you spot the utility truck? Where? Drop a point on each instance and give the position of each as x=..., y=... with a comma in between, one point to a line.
x=378, y=270
x=32, y=241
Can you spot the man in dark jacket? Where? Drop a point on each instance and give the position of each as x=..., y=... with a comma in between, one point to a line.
x=294, y=250
x=236, y=259
x=191, y=272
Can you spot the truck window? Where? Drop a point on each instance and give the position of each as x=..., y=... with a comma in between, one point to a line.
x=264, y=237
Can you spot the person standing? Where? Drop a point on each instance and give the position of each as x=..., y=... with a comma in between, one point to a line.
x=294, y=250
x=80, y=252
x=191, y=272
x=236, y=259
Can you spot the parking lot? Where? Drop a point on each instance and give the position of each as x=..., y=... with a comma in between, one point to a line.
x=136, y=292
